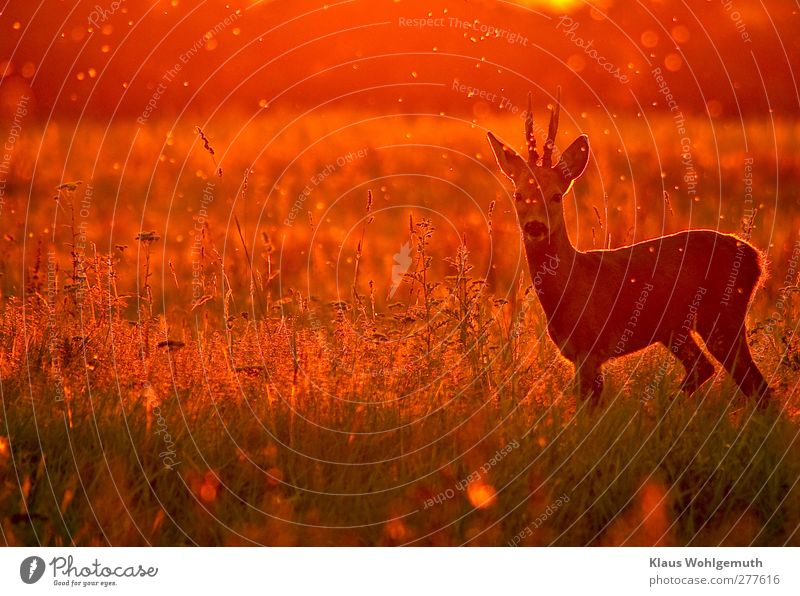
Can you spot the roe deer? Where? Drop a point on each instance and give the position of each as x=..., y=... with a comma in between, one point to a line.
x=602, y=304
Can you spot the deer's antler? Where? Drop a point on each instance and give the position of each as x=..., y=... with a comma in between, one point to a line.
x=530, y=138
x=547, y=158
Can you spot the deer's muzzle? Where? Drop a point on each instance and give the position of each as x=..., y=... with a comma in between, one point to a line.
x=535, y=229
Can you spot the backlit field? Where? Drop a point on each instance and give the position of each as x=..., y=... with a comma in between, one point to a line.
x=333, y=342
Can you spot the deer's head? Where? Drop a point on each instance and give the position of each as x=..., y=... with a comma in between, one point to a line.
x=539, y=185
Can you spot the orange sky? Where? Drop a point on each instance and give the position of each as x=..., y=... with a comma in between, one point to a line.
x=91, y=58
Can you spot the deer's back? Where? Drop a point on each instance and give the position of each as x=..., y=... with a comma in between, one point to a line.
x=622, y=300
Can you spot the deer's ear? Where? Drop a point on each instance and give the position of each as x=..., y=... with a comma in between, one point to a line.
x=574, y=159
x=508, y=160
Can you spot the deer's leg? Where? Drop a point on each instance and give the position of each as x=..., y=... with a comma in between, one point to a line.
x=734, y=354
x=590, y=381
x=698, y=368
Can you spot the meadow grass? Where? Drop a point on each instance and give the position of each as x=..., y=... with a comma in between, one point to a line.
x=144, y=405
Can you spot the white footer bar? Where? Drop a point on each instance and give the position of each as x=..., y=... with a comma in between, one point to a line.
x=401, y=572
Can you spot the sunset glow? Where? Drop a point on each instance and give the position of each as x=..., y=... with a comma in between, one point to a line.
x=399, y=273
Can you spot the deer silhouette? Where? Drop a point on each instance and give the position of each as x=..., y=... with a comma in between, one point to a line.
x=602, y=304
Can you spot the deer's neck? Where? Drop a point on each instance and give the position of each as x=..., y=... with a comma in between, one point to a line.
x=551, y=261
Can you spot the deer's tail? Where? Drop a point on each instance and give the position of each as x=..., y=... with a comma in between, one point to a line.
x=762, y=267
